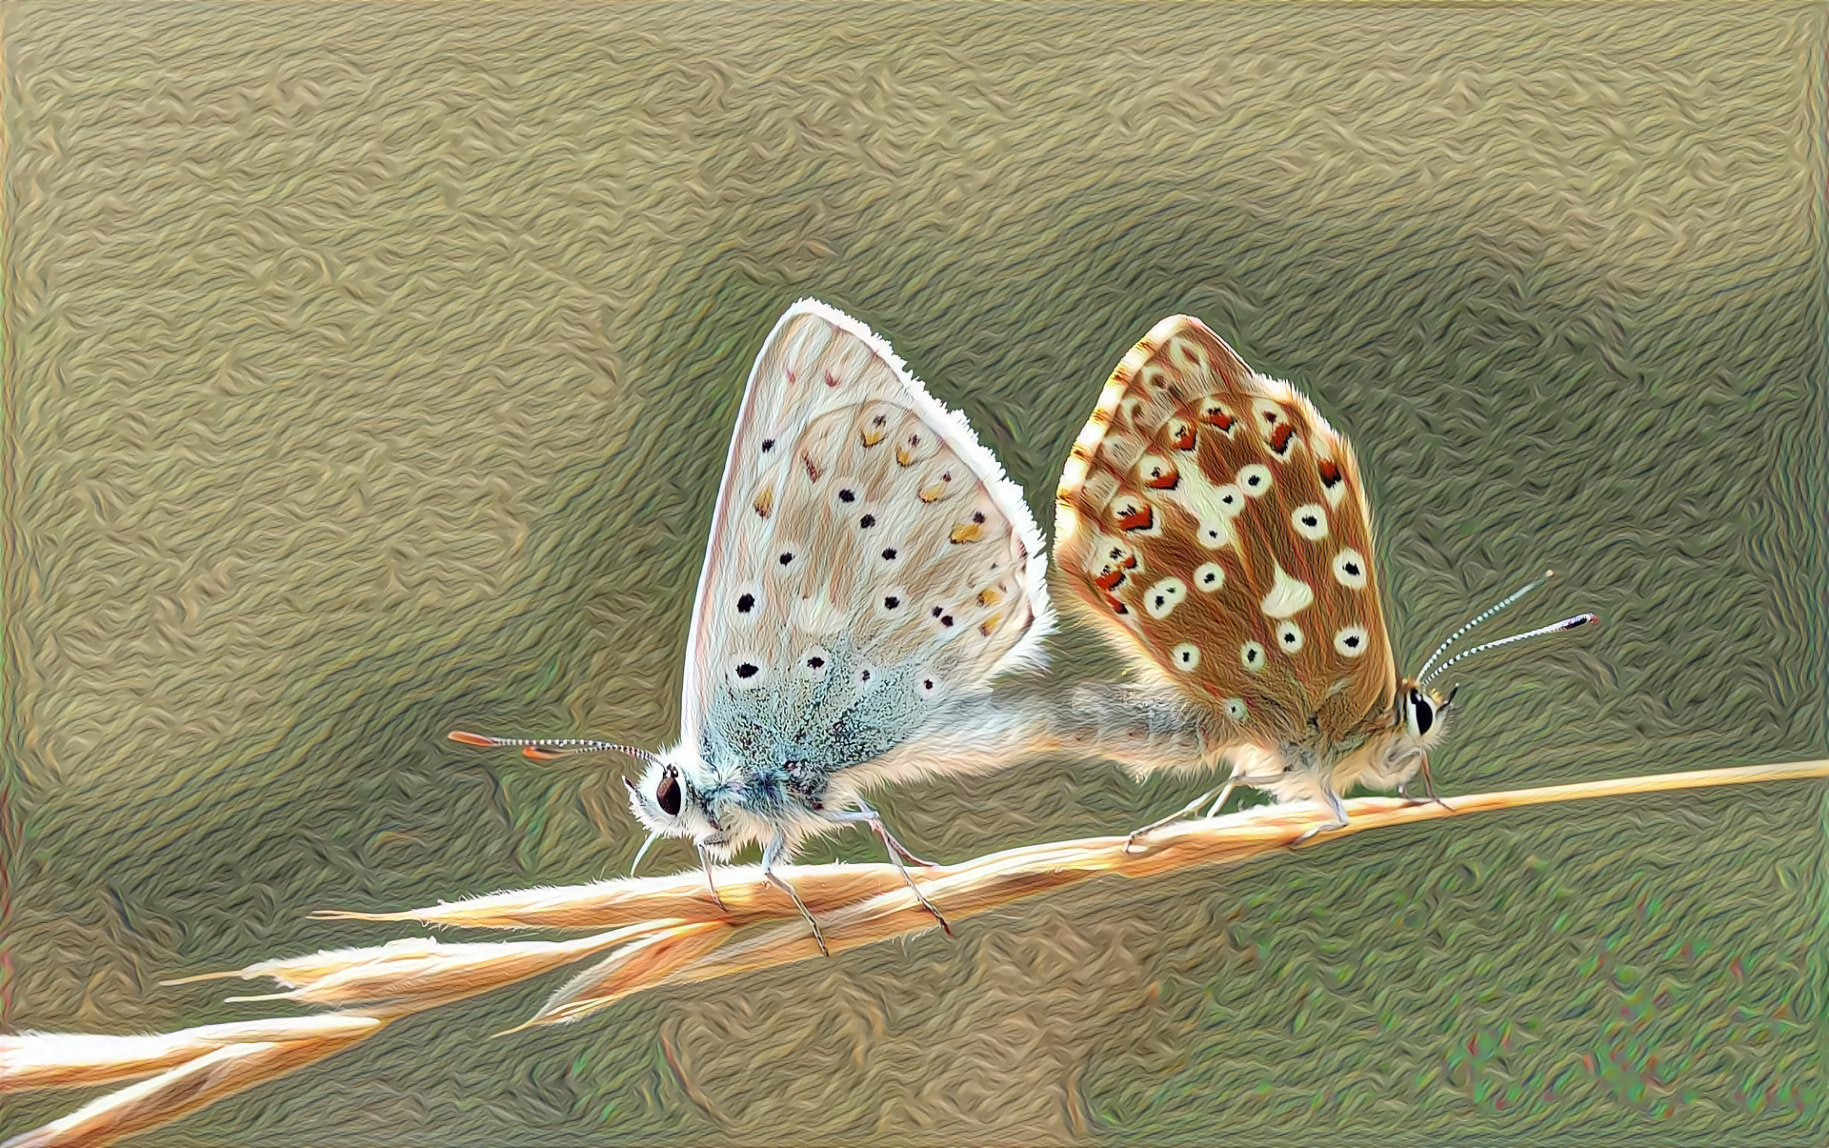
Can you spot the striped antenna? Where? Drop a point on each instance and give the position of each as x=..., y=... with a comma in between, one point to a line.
x=1423, y=673
x=551, y=748
x=1554, y=628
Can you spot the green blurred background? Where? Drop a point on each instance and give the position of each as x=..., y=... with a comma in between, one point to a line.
x=369, y=370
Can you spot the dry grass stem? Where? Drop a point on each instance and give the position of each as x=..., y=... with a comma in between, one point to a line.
x=662, y=930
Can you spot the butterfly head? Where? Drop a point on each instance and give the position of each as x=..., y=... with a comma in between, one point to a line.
x=665, y=800
x=1423, y=714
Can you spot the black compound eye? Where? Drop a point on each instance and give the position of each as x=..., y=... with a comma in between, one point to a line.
x=667, y=794
x=1425, y=713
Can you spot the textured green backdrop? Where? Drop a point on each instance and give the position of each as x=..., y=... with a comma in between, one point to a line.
x=369, y=369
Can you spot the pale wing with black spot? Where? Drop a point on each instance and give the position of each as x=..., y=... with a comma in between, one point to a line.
x=867, y=561
x=1212, y=523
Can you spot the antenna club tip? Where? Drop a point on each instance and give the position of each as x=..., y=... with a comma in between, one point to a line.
x=535, y=753
x=465, y=738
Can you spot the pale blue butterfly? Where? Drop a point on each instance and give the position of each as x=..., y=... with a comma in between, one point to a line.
x=870, y=571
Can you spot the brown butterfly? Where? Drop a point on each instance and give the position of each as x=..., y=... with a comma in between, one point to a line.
x=1214, y=525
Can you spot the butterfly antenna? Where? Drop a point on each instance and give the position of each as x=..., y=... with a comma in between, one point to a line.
x=551, y=749
x=1423, y=673
x=1554, y=628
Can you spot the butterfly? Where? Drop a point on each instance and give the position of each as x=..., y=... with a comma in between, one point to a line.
x=1213, y=525
x=870, y=571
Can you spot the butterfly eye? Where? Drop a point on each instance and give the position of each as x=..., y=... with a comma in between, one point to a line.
x=667, y=793
x=1422, y=715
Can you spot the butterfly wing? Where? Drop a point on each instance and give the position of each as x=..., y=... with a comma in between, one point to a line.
x=868, y=560
x=1214, y=525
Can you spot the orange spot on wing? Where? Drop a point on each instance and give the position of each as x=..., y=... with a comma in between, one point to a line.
x=1141, y=519
x=1279, y=438
x=1330, y=472
x=1184, y=438
x=1165, y=480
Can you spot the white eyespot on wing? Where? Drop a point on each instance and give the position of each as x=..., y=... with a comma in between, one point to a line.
x=1251, y=656
x=1254, y=480
x=1310, y=521
x=1134, y=517
x=1267, y=413
x=746, y=671
x=786, y=558
x=1350, y=641
x=1217, y=414
x=1216, y=533
x=1158, y=473
x=1209, y=577
x=1160, y=600
x=1288, y=596
x=1289, y=637
x=1236, y=709
x=814, y=663
x=890, y=603
x=744, y=604
x=1185, y=657
x=865, y=521
x=1349, y=569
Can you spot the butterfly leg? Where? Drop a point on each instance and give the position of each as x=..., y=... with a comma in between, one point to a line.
x=769, y=856
x=1428, y=787
x=710, y=882
x=889, y=842
x=1219, y=798
x=1334, y=804
x=896, y=852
